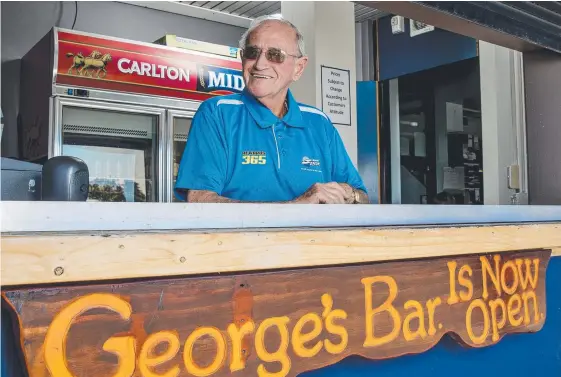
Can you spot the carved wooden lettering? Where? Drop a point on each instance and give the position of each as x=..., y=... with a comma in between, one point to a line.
x=279, y=323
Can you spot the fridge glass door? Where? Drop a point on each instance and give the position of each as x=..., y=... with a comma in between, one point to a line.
x=181, y=124
x=121, y=149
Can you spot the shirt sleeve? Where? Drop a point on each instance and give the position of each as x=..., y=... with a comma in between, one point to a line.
x=343, y=168
x=204, y=160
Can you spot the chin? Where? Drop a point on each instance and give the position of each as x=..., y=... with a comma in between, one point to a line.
x=259, y=92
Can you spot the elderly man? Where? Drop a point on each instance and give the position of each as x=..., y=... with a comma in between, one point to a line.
x=262, y=145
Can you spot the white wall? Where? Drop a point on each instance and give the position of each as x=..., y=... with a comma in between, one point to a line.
x=25, y=23
x=302, y=15
x=329, y=33
x=503, y=122
x=335, y=47
x=364, y=47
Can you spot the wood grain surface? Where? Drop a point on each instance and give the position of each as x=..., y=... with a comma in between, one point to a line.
x=40, y=258
x=297, y=320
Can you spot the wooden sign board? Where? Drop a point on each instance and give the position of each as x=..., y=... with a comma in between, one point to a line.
x=279, y=323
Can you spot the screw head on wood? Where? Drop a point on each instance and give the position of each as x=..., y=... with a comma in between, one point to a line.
x=59, y=271
x=182, y=259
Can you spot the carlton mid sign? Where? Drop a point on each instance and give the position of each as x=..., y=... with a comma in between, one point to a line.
x=108, y=64
x=278, y=324
x=153, y=70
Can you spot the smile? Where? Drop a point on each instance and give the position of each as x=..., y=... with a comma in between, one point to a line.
x=258, y=76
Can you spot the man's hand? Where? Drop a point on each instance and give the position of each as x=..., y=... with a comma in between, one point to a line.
x=319, y=193
x=327, y=193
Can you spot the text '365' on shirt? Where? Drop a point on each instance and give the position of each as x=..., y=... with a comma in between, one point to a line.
x=239, y=149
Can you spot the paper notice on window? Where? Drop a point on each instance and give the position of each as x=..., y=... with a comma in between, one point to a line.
x=336, y=95
x=454, y=178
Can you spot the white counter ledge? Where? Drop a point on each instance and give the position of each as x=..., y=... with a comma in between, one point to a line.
x=87, y=216
x=79, y=242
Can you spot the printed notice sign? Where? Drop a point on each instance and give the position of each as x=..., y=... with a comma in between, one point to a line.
x=335, y=92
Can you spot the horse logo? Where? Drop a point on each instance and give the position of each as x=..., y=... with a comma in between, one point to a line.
x=93, y=65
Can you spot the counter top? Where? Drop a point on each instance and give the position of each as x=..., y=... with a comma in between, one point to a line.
x=42, y=258
x=177, y=272
x=60, y=242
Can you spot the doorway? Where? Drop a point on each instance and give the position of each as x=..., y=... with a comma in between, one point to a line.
x=436, y=126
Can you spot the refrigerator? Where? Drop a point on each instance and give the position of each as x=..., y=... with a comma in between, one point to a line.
x=123, y=107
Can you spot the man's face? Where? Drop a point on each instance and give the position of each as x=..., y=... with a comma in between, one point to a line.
x=263, y=78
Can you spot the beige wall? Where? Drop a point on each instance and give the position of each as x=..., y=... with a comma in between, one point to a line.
x=329, y=33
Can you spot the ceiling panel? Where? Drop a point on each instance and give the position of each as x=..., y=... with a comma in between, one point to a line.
x=248, y=7
x=223, y=5
x=211, y=4
x=235, y=9
x=361, y=12
x=254, y=9
x=230, y=5
x=272, y=8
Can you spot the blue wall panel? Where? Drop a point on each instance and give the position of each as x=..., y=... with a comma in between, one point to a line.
x=516, y=355
x=401, y=54
x=367, y=133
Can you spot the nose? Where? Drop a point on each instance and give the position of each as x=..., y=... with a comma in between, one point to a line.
x=261, y=61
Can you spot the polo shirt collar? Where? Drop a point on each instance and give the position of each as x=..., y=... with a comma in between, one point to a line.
x=265, y=117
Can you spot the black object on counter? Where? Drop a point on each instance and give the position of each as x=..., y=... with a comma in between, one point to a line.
x=20, y=180
x=65, y=178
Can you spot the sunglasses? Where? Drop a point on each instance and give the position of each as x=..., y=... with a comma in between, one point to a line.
x=272, y=54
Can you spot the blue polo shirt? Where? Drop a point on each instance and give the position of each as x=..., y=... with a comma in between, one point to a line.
x=239, y=149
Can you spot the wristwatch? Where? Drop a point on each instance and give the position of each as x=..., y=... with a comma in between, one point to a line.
x=356, y=196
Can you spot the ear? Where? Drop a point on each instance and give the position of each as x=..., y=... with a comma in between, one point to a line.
x=299, y=68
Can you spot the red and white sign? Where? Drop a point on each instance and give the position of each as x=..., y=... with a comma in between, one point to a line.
x=107, y=64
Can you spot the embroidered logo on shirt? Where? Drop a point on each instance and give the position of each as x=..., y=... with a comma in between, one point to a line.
x=310, y=164
x=254, y=158
x=309, y=161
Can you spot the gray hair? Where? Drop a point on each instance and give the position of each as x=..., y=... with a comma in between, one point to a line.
x=260, y=20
